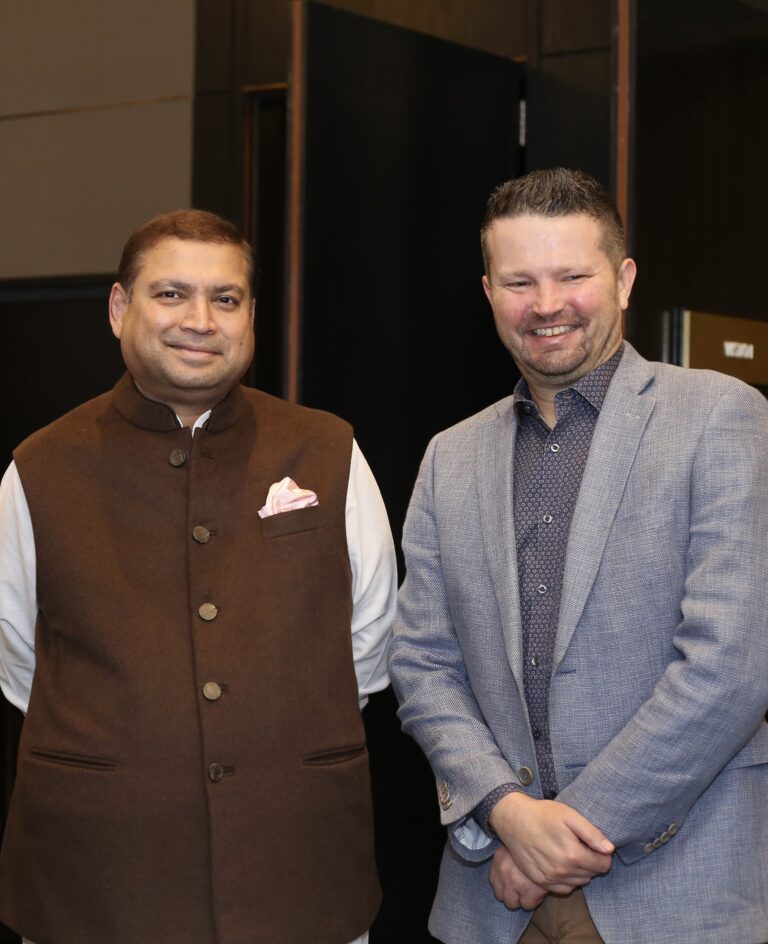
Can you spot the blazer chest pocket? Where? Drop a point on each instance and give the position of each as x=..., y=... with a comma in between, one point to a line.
x=291, y=522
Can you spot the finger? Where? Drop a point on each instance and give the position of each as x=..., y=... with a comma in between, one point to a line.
x=588, y=833
x=532, y=898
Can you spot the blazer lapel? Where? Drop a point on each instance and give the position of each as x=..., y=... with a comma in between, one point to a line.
x=623, y=417
x=495, y=442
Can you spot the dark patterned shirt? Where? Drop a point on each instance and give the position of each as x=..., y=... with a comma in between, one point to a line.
x=548, y=468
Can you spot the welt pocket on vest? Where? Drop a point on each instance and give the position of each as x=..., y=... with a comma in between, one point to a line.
x=291, y=522
x=67, y=759
x=333, y=755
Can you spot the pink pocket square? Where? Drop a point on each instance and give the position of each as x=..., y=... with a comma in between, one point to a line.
x=287, y=496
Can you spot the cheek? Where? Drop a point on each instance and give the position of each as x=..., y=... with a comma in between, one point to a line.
x=509, y=312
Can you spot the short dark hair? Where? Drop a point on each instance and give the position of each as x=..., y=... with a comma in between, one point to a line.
x=557, y=192
x=183, y=224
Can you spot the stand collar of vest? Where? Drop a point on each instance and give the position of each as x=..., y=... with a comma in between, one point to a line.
x=137, y=409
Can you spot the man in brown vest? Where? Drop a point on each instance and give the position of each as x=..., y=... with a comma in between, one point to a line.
x=196, y=586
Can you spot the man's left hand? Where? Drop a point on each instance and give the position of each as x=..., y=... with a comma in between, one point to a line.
x=509, y=884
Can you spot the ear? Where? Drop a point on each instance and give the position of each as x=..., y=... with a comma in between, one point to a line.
x=625, y=281
x=487, y=288
x=118, y=303
x=253, y=309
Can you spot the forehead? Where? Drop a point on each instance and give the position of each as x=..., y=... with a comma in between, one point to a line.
x=544, y=240
x=193, y=261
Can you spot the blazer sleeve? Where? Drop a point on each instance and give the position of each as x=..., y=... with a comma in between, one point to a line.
x=710, y=701
x=437, y=705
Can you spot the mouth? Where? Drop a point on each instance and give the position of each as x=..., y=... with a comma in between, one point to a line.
x=553, y=332
x=193, y=350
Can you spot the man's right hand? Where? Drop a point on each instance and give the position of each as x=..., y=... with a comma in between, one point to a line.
x=553, y=845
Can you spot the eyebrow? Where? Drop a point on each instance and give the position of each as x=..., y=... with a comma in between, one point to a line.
x=164, y=284
x=170, y=283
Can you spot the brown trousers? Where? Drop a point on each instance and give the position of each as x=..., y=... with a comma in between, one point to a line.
x=562, y=919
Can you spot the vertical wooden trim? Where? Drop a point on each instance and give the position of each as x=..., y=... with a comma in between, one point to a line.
x=623, y=108
x=248, y=102
x=295, y=235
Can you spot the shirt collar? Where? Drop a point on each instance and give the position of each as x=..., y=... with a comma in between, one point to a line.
x=592, y=386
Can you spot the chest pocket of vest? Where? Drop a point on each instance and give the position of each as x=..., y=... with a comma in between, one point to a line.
x=291, y=522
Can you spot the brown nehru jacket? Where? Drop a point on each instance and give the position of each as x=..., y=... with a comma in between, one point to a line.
x=192, y=766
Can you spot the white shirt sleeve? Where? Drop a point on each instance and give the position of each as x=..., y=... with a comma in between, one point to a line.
x=18, y=592
x=374, y=577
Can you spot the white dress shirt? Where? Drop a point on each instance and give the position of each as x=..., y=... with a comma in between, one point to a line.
x=371, y=555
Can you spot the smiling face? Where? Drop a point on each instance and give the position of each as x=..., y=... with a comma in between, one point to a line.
x=186, y=326
x=556, y=297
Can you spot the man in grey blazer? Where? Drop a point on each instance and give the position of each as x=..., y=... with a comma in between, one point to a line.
x=582, y=643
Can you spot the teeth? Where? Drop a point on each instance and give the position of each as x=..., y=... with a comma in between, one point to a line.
x=552, y=332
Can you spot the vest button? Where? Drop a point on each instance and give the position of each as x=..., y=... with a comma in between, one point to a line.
x=177, y=457
x=215, y=772
x=212, y=691
x=201, y=534
x=208, y=611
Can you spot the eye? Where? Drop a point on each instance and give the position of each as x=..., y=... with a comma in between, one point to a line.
x=517, y=283
x=170, y=293
x=575, y=277
x=227, y=300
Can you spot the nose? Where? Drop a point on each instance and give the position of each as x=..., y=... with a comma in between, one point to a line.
x=548, y=300
x=198, y=315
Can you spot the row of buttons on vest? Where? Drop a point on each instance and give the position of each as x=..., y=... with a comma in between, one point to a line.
x=212, y=691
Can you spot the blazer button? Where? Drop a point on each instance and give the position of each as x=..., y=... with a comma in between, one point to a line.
x=673, y=828
x=201, y=534
x=525, y=776
x=208, y=611
x=444, y=795
x=648, y=848
x=212, y=691
x=215, y=772
x=177, y=457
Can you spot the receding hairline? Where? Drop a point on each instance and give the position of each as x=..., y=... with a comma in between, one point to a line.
x=557, y=192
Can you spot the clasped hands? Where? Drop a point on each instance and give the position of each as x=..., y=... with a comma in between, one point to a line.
x=547, y=846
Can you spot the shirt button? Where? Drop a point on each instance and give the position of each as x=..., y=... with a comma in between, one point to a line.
x=525, y=776
x=535, y=661
x=541, y=588
x=536, y=734
x=212, y=691
x=215, y=772
x=208, y=611
x=201, y=534
x=177, y=457
x=554, y=447
x=547, y=519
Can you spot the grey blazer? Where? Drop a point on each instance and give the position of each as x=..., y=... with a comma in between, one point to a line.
x=660, y=680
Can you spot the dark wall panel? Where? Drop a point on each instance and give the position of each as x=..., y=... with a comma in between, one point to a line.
x=567, y=26
x=569, y=110
x=406, y=136
x=701, y=145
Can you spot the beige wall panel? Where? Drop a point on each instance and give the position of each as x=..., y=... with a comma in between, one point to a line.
x=73, y=186
x=497, y=26
x=83, y=52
